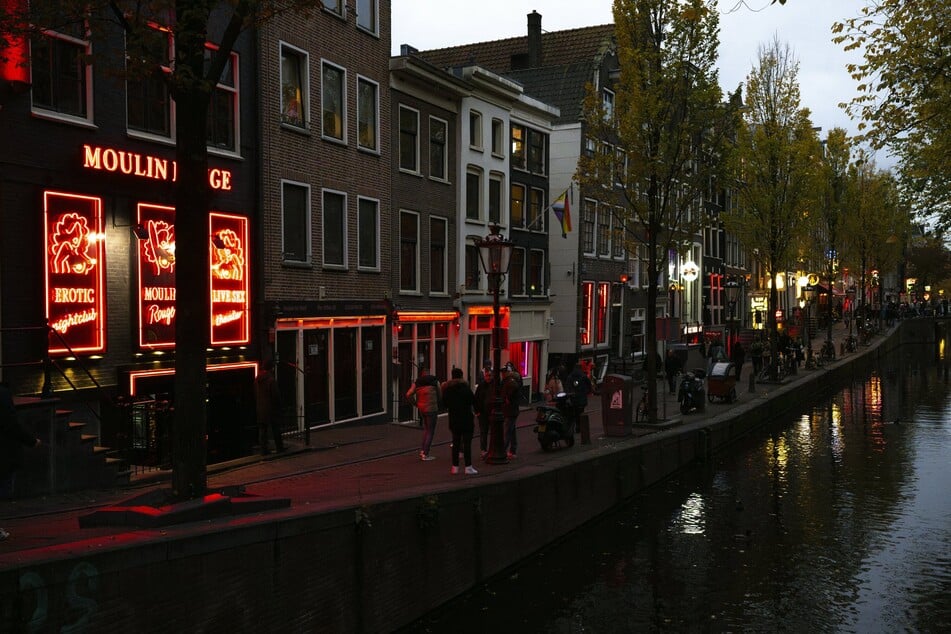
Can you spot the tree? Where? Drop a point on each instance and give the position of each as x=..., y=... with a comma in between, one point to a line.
x=929, y=262
x=904, y=99
x=669, y=127
x=775, y=170
x=191, y=78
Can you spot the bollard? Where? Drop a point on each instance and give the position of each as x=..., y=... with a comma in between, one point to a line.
x=585, y=429
x=752, y=382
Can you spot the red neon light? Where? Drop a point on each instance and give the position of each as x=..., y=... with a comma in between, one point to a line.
x=75, y=272
x=138, y=374
x=230, y=290
x=14, y=49
x=156, y=265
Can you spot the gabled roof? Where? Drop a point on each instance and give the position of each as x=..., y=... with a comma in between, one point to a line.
x=568, y=59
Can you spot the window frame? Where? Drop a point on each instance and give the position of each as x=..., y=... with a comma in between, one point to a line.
x=303, y=58
x=536, y=210
x=587, y=313
x=497, y=132
x=475, y=130
x=366, y=81
x=64, y=39
x=519, y=147
x=444, y=163
x=496, y=198
x=328, y=237
x=535, y=272
x=415, y=264
x=474, y=171
x=338, y=10
x=375, y=226
x=416, y=168
x=516, y=275
x=374, y=27
x=521, y=203
x=304, y=227
x=443, y=264
x=146, y=134
x=235, y=96
x=589, y=219
x=537, y=143
x=326, y=64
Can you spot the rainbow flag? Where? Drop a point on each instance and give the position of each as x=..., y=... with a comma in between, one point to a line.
x=562, y=209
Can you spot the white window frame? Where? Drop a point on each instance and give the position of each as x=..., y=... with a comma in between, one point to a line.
x=338, y=8
x=475, y=170
x=445, y=255
x=445, y=153
x=307, y=223
x=342, y=238
x=376, y=227
x=361, y=80
x=475, y=130
x=374, y=6
x=399, y=237
x=498, y=141
x=607, y=101
x=46, y=113
x=235, y=92
x=304, y=58
x=324, y=64
x=399, y=118
x=502, y=220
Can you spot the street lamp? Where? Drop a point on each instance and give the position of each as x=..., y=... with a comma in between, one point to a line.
x=495, y=255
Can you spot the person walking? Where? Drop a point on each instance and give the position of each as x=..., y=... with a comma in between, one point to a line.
x=737, y=357
x=458, y=398
x=483, y=398
x=511, y=393
x=12, y=438
x=267, y=403
x=424, y=392
x=671, y=369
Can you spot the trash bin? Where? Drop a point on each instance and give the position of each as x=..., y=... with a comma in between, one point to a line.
x=617, y=404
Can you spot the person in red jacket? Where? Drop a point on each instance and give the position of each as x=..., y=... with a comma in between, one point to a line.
x=426, y=395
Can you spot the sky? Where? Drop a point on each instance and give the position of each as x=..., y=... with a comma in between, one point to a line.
x=745, y=26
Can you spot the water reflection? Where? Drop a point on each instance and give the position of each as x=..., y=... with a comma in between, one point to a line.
x=835, y=520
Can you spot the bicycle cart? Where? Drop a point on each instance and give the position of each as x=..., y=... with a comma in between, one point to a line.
x=721, y=382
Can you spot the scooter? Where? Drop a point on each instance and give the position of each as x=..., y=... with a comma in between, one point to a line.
x=554, y=424
x=691, y=395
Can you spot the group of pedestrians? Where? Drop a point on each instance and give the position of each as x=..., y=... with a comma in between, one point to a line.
x=465, y=406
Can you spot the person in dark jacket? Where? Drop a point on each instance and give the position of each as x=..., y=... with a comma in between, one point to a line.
x=458, y=399
x=578, y=386
x=13, y=437
x=484, y=397
x=672, y=369
x=426, y=395
x=737, y=357
x=267, y=401
x=511, y=393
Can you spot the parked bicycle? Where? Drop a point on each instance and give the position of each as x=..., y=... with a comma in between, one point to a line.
x=827, y=352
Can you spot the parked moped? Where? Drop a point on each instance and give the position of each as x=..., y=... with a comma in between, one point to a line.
x=556, y=424
x=691, y=394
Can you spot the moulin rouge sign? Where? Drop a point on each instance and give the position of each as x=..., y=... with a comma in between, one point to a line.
x=228, y=258
x=107, y=159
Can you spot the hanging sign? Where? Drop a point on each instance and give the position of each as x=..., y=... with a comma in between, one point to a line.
x=75, y=272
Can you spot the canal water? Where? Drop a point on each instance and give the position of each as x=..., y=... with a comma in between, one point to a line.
x=836, y=519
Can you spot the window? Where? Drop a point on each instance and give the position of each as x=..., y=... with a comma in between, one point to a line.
x=537, y=203
x=368, y=107
x=409, y=140
x=517, y=206
x=61, y=79
x=536, y=152
x=495, y=198
x=148, y=103
x=497, y=128
x=335, y=229
x=518, y=147
x=295, y=209
x=334, y=6
x=332, y=101
x=438, y=236
x=601, y=323
x=475, y=130
x=473, y=270
x=223, y=109
x=517, y=273
x=536, y=272
x=367, y=15
x=294, y=88
x=587, y=312
x=617, y=233
x=620, y=162
x=473, y=194
x=368, y=234
x=588, y=213
x=438, y=157
x=409, y=252
x=607, y=151
x=607, y=102
x=604, y=231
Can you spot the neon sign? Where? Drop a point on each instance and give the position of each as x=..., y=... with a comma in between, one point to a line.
x=229, y=259
x=156, y=256
x=75, y=272
x=108, y=159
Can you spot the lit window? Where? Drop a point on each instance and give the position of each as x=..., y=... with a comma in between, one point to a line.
x=368, y=234
x=587, y=312
x=368, y=122
x=518, y=147
x=335, y=229
x=61, y=78
x=295, y=208
x=332, y=101
x=409, y=140
x=601, y=327
x=294, y=87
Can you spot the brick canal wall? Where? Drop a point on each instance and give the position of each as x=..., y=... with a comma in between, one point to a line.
x=368, y=569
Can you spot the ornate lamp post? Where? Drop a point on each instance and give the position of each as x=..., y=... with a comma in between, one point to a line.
x=495, y=255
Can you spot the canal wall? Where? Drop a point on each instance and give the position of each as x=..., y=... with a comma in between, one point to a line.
x=377, y=567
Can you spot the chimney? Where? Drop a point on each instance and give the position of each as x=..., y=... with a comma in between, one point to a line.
x=534, y=39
